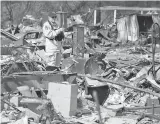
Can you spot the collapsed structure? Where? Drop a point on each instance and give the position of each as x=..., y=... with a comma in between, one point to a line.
x=93, y=83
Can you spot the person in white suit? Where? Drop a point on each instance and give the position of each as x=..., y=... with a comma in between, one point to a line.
x=54, y=36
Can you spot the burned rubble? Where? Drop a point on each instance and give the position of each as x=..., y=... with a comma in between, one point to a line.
x=103, y=76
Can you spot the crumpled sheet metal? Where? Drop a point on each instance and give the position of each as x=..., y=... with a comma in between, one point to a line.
x=84, y=66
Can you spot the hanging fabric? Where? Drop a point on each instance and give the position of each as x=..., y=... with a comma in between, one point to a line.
x=134, y=28
x=122, y=30
x=128, y=33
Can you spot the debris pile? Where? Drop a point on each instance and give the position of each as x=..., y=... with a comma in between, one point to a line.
x=104, y=82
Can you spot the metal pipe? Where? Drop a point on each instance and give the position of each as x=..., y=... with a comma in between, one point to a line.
x=98, y=106
x=153, y=108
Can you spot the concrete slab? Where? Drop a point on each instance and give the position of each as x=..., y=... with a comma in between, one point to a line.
x=63, y=97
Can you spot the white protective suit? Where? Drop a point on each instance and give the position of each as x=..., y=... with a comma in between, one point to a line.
x=52, y=46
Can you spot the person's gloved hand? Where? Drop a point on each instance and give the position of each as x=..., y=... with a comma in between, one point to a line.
x=60, y=35
x=62, y=29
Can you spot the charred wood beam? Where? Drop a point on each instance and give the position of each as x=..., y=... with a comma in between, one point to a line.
x=121, y=84
x=8, y=35
x=6, y=102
